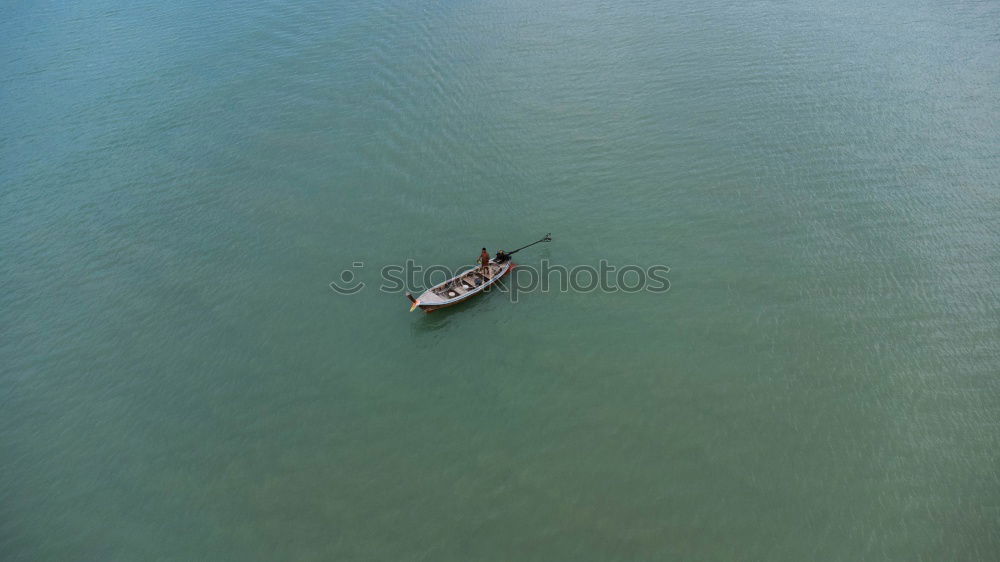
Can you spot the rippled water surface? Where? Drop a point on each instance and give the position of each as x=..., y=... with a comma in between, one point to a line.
x=180, y=181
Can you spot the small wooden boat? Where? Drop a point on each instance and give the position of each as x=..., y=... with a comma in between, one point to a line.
x=468, y=283
x=462, y=286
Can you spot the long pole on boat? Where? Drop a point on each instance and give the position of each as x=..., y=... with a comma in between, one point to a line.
x=546, y=238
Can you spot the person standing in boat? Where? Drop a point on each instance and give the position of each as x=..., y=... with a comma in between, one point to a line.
x=484, y=261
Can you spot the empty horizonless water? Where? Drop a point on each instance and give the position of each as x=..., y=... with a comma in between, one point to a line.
x=181, y=180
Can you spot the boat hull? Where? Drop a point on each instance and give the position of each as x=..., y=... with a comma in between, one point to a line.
x=430, y=307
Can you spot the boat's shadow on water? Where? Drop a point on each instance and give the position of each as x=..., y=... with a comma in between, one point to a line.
x=442, y=317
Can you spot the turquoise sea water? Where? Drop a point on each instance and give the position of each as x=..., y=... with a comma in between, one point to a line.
x=180, y=181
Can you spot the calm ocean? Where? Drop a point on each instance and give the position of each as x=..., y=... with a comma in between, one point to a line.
x=181, y=181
